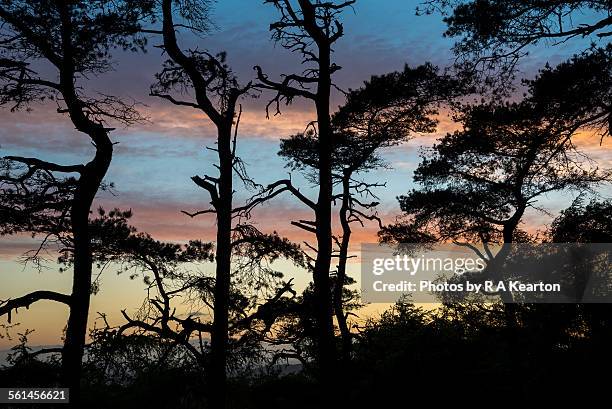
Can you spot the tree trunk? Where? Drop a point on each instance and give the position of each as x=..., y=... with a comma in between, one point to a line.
x=219, y=336
x=76, y=330
x=341, y=275
x=509, y=230
x=322, y=283
x=88, y=185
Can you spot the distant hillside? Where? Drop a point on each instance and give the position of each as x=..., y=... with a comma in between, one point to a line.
x=5, y=352
x=3, y=355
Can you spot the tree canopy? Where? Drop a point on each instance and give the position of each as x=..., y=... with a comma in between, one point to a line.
x=477, y=183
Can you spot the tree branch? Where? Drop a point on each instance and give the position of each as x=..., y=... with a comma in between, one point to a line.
x=175, y=101
x=6, y=307
x=49, y=166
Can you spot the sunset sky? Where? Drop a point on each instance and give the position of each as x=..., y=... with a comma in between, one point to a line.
x=154, y=161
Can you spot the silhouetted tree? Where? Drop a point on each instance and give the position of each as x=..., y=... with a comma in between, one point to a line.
x=588, y=223
x=47, y=51
x=212, y=83
x=388, y=110
x=311, y=28
x=580, y=87
x=217, y=94
x=494, y=34
x=583, y=223
x=478, y=182
x=256, y=299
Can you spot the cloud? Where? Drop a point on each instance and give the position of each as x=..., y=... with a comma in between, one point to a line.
x=14, y=247
x=181, y=122
x=41, y=129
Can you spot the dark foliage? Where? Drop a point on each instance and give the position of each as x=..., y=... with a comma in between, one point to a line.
x=504, y=159
x=494, y=34
x=583, y=223
x=586, y=94
x=388, y=110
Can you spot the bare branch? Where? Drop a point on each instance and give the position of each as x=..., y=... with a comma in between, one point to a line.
x=199, y=212
x=49, y=166
x=6, y=307
x=174, y=101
